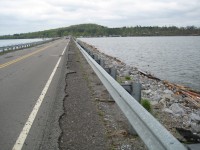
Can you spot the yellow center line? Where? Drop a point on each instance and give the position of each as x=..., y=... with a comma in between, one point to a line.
x=24, y=57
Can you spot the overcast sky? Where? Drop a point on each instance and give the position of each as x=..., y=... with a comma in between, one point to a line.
x=20, y=16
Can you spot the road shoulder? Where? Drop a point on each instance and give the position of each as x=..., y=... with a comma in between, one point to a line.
x=80, y=123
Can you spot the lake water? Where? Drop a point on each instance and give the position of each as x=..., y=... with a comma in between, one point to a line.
x=176, y=59
x=9, y=42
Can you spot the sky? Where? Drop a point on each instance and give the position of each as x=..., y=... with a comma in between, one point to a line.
x=21, y=16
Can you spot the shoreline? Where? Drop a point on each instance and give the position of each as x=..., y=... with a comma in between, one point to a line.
x=187, y=91
x=169, y=61
x=180, y=103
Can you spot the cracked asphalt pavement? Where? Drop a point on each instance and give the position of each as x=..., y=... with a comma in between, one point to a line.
x=80, y=123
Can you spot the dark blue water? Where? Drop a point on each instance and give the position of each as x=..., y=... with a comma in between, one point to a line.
x=176, y=59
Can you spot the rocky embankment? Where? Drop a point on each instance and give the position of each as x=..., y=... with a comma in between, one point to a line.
x=175, y=106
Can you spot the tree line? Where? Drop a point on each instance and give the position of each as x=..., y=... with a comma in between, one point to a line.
x=94, y=30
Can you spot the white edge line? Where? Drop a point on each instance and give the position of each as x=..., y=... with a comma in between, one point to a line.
x=24, y=133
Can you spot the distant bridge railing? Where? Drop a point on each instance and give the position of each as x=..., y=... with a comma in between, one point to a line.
x=152, y=133
x=25, y=45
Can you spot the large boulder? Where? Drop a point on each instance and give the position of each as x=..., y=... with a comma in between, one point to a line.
x=168, y=91
x=177, y=110
x=194, y=117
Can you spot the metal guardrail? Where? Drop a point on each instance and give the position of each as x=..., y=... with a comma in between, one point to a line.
x=153, y=134
x=132, y=88
x=22, y=46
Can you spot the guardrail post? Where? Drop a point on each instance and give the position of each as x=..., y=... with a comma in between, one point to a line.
x=92, y=55
x=127, y=87
x=89, y=52
x=86, y=49
x=113, y=72
x=102, y=63
x=96, y=58
x=136, y=91
x=2, y=49
x=107, y=70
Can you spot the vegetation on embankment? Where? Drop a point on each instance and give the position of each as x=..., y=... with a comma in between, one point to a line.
x=94, y=30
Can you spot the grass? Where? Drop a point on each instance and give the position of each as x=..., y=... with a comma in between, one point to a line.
x=101, y=113
x=127, y=77
x=146, y=104
x=122, y=79
x=119, y=80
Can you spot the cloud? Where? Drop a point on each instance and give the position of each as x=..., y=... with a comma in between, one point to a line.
x=32, y=15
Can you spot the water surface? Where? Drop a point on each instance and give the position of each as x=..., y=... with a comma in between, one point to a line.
x=9, y=42
x=175, y=58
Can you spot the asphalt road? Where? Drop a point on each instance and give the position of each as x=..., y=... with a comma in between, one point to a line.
x=23, y=76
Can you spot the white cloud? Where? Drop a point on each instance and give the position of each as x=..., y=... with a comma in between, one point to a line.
x=31, y=15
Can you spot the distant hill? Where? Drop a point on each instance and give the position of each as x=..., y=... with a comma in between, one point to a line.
x=94, y=30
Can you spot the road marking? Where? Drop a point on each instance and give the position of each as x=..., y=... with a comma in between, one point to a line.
x=24, y=57
x=22, y=137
